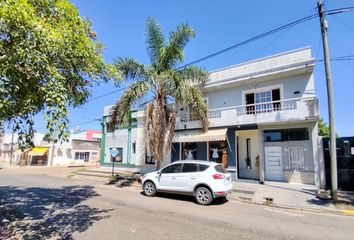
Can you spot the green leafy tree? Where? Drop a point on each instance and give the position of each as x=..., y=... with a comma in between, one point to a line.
x=323, y=129
x=164, y=85
x=49, y=57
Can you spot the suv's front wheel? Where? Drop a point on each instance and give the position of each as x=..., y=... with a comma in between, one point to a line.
x=149, y=189
x=203, y=196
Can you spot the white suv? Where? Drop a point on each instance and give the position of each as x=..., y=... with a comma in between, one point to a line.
x=202, y=179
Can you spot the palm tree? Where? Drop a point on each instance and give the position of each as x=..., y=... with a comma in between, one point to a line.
x=164, y=84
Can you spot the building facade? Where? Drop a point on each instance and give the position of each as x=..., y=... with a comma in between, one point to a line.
x=262, y=122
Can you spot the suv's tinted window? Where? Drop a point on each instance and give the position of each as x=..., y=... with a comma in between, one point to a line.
x=220, y=169
x=203, y=167
x=190, y=167
x=174, y=168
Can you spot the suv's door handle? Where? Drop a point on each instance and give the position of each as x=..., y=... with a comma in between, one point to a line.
x=173, y=178
x=193, y=178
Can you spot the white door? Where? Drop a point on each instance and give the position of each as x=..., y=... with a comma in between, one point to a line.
x=168, y=177
x=187, y=180
x=273, y=166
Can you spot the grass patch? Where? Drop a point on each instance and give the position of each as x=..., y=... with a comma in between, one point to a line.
x=74, y=173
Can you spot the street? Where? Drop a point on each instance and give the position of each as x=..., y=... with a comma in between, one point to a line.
x=73, y=209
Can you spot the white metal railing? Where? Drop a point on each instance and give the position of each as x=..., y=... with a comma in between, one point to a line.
x=251, y=109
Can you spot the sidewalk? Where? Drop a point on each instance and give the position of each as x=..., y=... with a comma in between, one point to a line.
x=284, y=195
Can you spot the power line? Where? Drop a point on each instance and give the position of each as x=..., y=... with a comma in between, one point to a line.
x=265, y=34
x=106, y=94
x=262, y=35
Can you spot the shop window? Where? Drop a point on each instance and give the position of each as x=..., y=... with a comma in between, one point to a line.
x=118, y=157
x=149, y=160
x=189, y=151
x=283, y=135
x=85, y=156
x=216, y=151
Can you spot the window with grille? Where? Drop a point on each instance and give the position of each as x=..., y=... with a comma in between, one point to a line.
x=296, y=158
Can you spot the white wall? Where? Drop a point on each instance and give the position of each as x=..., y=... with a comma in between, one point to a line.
x=234, y=96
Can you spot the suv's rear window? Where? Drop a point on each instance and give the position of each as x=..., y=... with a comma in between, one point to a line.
x=220, y=169
x=190, y=167
x=203, y=167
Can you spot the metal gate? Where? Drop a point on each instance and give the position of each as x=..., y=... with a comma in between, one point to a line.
x=345, y=163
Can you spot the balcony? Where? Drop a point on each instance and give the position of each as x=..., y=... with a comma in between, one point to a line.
x=287, y=110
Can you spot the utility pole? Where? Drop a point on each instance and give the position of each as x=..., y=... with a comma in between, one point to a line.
x=333, y=143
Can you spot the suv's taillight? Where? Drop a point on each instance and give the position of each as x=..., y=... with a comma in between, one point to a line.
x=218, y=176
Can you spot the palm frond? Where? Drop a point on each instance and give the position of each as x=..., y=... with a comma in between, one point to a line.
x=193, y=74
x=188, y=96
x=121, y=110
x=130, y=68
x=154, y=40
x=173, y=52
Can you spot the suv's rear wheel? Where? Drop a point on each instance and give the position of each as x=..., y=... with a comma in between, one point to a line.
x=203, y=196
x=149, y=189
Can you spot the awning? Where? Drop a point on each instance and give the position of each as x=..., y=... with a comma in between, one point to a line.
x=200, y=136
x=38, y=151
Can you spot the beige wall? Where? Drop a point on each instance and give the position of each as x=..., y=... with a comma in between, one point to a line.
x=252, y=173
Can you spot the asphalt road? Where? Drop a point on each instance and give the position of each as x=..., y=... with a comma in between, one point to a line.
x=71, y=209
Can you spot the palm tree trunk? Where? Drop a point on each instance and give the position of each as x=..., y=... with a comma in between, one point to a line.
x=159, y=126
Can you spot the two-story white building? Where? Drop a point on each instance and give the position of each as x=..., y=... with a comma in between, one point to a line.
x=262, y=122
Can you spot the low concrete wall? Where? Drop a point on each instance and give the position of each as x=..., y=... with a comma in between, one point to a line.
x=299, y=177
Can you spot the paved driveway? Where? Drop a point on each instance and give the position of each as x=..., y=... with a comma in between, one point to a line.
x=69, y=209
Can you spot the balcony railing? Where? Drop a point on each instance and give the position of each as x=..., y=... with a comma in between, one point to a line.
x=295, y=108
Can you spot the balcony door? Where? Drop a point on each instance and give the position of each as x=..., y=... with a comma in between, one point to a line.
x=263, y=101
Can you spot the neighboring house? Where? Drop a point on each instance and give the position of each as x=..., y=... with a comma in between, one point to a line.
x=9, y=139
x=82, y=148
x=262, y=122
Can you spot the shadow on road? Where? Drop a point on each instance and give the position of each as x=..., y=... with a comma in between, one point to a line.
x=42, y=213
x=186, y=198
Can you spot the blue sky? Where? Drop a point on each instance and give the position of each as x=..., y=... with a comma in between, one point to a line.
x=120, y=26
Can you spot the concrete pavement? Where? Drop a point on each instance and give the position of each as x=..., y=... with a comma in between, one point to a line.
x=59, y=208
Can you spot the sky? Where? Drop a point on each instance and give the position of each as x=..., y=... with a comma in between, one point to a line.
x=120, y=26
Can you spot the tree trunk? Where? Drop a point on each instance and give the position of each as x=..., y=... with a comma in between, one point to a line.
x=158, y=164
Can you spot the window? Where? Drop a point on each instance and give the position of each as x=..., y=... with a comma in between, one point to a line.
x=85, y=156
x=118, y=156
x=149, y=160
x=296, y=158
x=248, y=157
x=134, y=147
x=175, y=168
x=190, y=167
x=203, y=167
x=220, y=169
x=265, y=101
x=263, y=97
x=283, y=135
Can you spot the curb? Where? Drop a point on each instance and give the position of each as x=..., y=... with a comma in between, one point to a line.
x=347, y=213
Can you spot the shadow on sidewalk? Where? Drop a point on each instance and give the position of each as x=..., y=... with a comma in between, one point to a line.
x=42, y=213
